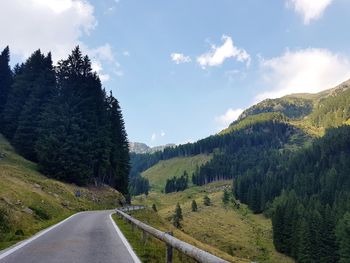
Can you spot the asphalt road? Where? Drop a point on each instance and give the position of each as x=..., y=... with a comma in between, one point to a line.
x=88, y=237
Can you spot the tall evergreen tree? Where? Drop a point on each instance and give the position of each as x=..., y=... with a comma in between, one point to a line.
x=82, y=132
x=119, y=154
x=194, y=206
x=42, y=86
x=225, y=197
x=343, y=237
x=5, y=79
x=177, y=217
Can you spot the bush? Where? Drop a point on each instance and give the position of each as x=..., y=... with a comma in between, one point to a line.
x=19, y=232
x=206, y=201
x=4, y=220
x=40, y=212
x=194, y=206
x=154, y=207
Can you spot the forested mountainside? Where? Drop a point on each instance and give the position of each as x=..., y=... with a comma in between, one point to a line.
x=278, y=168
x=62, y=118
x=311, y=215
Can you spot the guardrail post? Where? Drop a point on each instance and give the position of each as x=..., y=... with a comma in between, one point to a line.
x=169, y=251
x=144, y=237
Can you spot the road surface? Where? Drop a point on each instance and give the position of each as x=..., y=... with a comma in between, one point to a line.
x=88, y=237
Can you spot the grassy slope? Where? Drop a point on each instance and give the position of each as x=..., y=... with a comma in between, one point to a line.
x=224, y=231
x=22, y=186
x=159, y=173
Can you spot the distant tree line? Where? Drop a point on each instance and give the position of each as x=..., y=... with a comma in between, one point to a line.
x=176, y=184
x=62, y=118
x=246, y=149
x=138, y=185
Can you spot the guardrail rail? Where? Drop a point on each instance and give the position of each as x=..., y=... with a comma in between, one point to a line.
x=167, y=237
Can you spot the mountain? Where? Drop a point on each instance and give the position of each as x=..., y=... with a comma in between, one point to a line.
x=138, y=147
x=301, y=105
x=142, y=148
x=289, y=159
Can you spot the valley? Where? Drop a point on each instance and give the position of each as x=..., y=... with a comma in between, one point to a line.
x=261, y=152
x=221, y=229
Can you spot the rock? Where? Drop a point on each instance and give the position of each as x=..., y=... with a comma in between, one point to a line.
x=28, y=210
x=56, y=195
x=7, y=200
x=37, y=186
x=18, y=202
x=65, y=203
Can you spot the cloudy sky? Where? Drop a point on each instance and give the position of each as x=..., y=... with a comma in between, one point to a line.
x=185, y=69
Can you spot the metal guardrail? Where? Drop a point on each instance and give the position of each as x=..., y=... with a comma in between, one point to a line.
x=170, y=241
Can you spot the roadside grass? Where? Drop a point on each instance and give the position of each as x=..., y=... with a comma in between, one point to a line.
x=30, y=202
x=237, y=235
x=147, y=248
x=159, y=173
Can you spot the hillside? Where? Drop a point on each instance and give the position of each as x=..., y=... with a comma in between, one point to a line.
x=328, y=108
x=159, y=173
x=224, y=230
x=30, y=201
x=286, y=162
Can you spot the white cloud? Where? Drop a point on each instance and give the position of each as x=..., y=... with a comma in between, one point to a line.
x=126, y=53
x=153, y=137
x=228, y=117
x=308, y=70
x=180, y=58
x=309, y=9
x=104, y=77
x=98, y=56
x=162, y=133
x=52, y=25
x=218, y=55
x=102, y=53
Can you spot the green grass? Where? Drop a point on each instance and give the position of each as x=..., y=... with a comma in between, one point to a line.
x=237, y=235
x=30, y=202
x=159, y=173
x=253, y=119
x=146, y=247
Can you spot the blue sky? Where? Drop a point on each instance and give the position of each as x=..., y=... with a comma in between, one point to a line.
x=185, y=69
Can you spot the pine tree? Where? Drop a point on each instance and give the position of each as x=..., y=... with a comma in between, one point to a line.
x=304, y=251
x=119, y=154
x=5, y=79
x=177, y=217
x=343, y=238
x=154, y=208
x=42, y=86
x=206, y=201
x=225, y=197
x=329, y=246
x=194, y=206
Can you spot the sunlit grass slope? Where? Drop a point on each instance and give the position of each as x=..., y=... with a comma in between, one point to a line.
x=159, y=173
x=30, y=201
x=225, y=230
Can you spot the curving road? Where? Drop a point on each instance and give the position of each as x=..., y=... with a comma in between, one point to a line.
x=88, y=237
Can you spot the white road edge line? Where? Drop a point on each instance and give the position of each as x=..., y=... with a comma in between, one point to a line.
x=27, y=241
x=126, y=243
